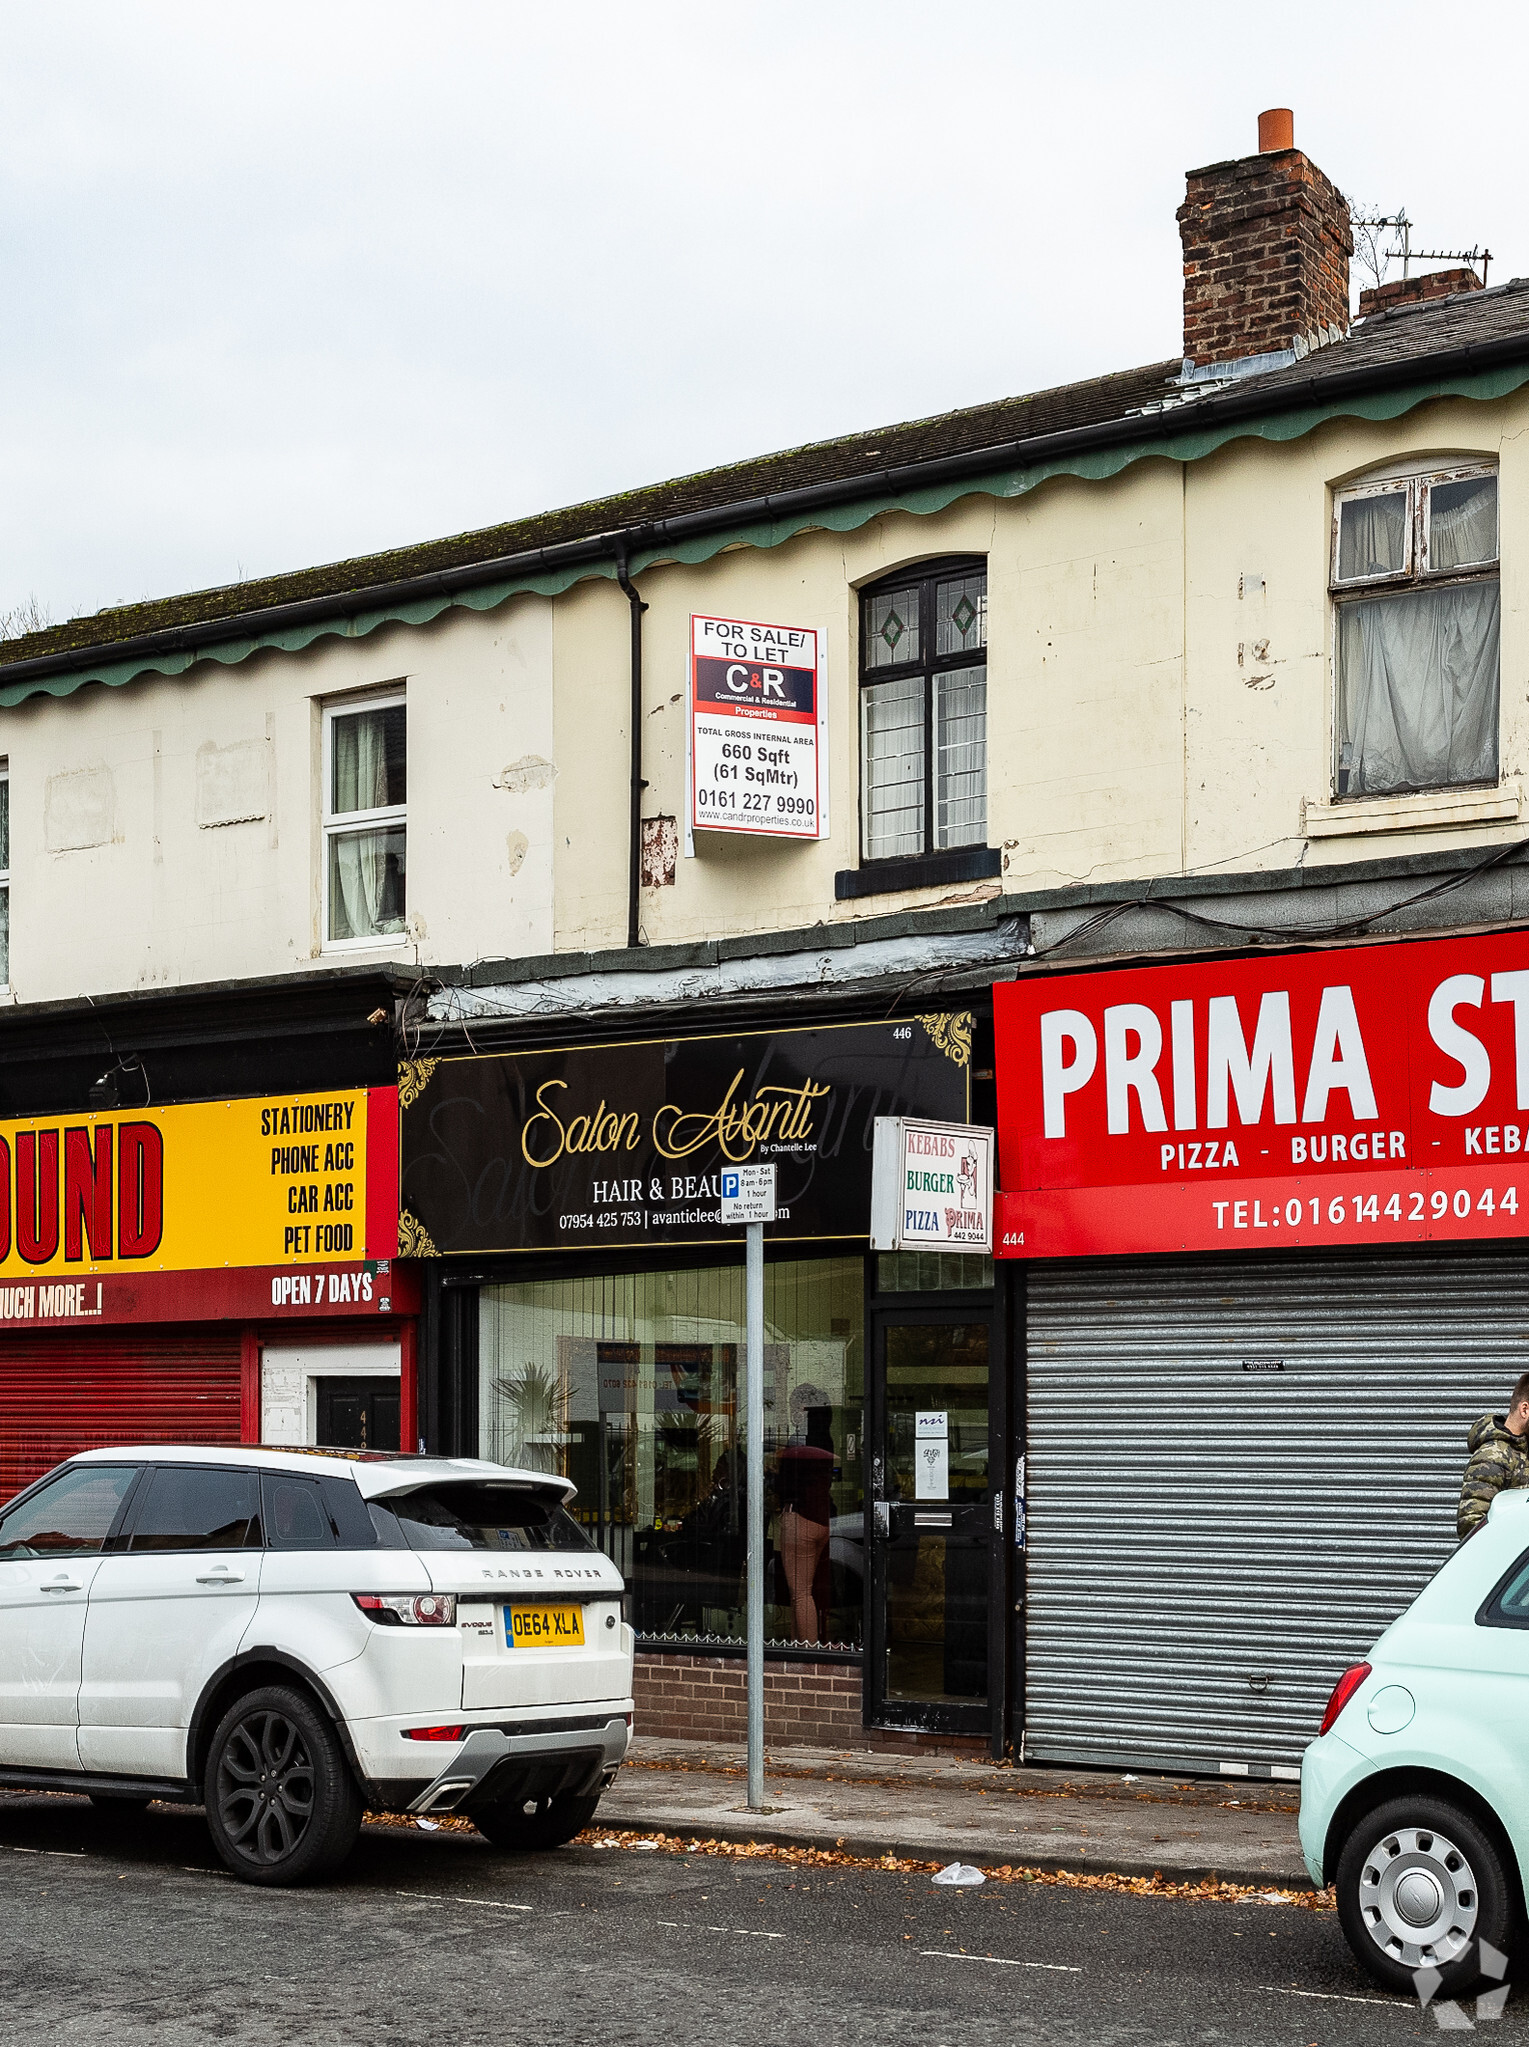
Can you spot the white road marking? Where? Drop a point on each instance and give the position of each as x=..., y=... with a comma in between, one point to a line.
x=940, y=1954
x=739, y=1932
x=455, y=1898
x=1334, y=1997
x=75, y=1854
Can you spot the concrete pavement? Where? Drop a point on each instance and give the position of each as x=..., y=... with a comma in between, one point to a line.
x=934, y=1807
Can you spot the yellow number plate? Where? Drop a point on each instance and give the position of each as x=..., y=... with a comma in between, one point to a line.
x=544, y=1627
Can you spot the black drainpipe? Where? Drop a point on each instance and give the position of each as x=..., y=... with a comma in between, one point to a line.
x=634, y=853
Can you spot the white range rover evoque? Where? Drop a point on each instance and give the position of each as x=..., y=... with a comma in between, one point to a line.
x=292, y=1637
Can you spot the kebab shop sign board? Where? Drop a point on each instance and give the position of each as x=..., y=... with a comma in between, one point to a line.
x=1370, y=1095
x=758, y=729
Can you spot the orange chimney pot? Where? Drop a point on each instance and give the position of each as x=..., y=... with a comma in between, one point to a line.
x=1276, y=130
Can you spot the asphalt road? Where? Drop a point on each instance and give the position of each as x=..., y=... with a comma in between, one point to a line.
x=126, y=1932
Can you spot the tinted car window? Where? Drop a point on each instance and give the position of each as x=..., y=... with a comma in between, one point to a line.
x=347, y=1510
x=189, y=1507
x=484, y=1516
x=71, y=1515
x=1508, y=1605
x=296, y=1513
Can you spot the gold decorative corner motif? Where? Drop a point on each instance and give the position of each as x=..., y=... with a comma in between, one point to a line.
x=414, y=1240
x=952, y=1034
x=413, y=1079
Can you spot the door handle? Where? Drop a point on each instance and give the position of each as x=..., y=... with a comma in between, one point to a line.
x=220, y=1575
x=60, y=1585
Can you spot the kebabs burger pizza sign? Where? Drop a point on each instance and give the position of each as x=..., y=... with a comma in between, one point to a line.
x=758, y=729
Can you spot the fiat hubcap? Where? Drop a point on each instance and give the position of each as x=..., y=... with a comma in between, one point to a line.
x=1417, y=1896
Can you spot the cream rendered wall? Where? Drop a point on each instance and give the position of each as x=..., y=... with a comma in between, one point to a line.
x=1258, y=740
x=117, y=885
x=1159, y=682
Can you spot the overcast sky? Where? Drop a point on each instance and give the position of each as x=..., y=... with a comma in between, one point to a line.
x=286, y=283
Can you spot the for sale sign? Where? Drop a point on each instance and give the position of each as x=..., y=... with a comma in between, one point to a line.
x=1365, y=1095
x=758, y=729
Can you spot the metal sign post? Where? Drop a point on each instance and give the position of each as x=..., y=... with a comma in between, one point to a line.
x=748, y=1197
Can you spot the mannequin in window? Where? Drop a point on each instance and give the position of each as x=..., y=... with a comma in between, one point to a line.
x=804, y=1486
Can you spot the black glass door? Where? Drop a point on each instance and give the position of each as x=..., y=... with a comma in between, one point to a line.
x=358, y=1414
x=930, y=1522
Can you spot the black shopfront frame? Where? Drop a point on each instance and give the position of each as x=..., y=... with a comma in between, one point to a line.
x=449, y=1411
x=449, y=1416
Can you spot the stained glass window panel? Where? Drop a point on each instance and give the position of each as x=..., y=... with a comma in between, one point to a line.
x=960, y=617
x=891, y=631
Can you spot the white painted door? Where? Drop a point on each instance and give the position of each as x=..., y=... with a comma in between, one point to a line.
x=50, y=1552
x=166, y=1614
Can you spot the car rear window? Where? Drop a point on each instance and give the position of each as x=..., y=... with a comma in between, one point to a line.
x=1507, y=1605
x=481, y=1516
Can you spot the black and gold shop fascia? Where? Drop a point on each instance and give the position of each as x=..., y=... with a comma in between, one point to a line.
x=618, y=1145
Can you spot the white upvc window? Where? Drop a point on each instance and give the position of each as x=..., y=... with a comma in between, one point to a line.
x=365, y=832
x=1415, y=593
x=5, y=874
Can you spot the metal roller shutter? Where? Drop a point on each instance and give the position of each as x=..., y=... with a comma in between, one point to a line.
x=61, y=1393
x=1238, y=1475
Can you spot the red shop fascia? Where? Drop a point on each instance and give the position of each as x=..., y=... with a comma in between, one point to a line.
x=1374, y=1094
x=224, y=1354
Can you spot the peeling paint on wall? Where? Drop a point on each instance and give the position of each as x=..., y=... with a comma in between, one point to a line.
x=528, y=773
x=517, y=845
x=660, y=851
x=233, y=783
x=79, y=810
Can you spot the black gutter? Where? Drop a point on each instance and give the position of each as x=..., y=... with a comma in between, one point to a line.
x=1250, y=401
x=634, y=848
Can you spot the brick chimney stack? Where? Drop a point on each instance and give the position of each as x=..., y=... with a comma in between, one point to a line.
x=1267, y=243
x=1413, y=291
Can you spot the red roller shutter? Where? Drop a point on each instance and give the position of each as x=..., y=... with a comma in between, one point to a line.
x=62, y=1393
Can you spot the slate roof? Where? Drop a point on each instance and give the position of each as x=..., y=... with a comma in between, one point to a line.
x=1478, y=326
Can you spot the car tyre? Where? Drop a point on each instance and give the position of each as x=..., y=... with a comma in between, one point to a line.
x=1425, y=1901
x=530, y=1824
x=282, y=1804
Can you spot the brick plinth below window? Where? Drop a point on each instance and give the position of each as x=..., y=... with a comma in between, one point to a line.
x=704, y=1698
x=1267, y=242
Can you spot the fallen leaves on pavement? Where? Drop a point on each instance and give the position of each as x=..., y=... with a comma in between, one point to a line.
x=1209, y=1889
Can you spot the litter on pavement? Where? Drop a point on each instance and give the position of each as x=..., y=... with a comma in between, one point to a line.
x=958, y=1873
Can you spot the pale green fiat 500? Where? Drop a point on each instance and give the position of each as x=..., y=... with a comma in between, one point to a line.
x=1415, y=1795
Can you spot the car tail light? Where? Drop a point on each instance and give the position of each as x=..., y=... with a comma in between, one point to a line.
x=409, y=1609
x=434, y=1733
x=1343, y=1691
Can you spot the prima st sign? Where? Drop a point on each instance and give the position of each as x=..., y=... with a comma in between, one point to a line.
x=1371, y=1094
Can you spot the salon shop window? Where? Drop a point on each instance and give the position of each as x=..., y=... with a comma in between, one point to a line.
x=629, y=1386
x=1417, y=611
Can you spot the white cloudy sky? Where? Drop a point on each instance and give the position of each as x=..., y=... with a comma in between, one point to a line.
x=288, y=282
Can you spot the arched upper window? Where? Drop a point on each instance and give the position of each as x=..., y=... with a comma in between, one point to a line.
x=1415, y=589
x=923, y=710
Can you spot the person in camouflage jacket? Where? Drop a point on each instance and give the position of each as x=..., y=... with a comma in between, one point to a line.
x=1499, y=1460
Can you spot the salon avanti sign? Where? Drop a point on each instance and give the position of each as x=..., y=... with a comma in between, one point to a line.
x=593, y=1146
x=1369, y=1094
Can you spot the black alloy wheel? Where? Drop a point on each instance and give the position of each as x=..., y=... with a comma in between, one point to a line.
x=531, y=1824
x=282, y=1805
